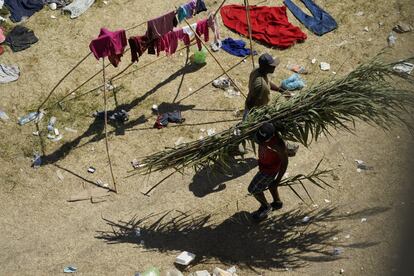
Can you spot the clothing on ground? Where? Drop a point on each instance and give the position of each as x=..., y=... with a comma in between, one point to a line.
x=9, y=73
x=269, y=159
x=20, y=38
x=269, y=24
x=159, y=26
x=261, y=182
x=169, y=117
x=294, y=82
x=23, y=8
x=235, y=47
x=2, y=36
x=320, y=22
x=259, y=90
x=119, y=116
x=78, y=7
x=109, y=44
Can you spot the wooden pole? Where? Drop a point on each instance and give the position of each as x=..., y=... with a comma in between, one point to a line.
x=249, y=27
x=106, y=127
x=219, y=64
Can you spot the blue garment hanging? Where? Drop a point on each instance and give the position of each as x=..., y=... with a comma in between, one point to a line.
x=235, y=47
x=320, y=23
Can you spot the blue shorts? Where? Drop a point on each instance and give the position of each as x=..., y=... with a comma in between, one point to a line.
x=261, y=182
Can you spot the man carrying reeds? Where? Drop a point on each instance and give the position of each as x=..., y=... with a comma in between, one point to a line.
x=273, y=162
x=260, y=85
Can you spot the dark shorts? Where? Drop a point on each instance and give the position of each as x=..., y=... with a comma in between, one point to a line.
x=261, y=182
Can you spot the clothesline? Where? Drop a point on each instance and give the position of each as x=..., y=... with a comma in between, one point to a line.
x=86, y=56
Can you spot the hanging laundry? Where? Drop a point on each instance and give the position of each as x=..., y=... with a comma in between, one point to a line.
x=20, y=38
x=169, y=117
x=78, y=7
x=202, y=29
x=138, y=45
x=320, y=23
x=161, y=25
x=214, y=26
x=235, y=47
x=9, y=73
x=200, y=6
x=169, y=42
x=186, y=11
x=19, y=9
x=109, y=44
x=188, y=30
x=269, y=24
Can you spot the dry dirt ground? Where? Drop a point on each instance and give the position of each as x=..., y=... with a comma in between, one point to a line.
x=41, y=232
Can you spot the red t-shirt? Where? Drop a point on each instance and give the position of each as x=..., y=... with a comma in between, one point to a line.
x=269, y=160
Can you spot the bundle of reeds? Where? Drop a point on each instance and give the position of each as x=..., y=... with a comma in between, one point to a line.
x=374, y=93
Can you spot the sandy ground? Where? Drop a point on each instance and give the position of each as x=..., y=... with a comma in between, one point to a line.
x=41, y=232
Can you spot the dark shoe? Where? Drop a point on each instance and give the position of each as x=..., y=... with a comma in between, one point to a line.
x=276, y=205
x=261, y=213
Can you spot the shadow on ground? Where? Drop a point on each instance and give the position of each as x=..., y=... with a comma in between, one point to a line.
x=211, y=179
x=282, y=241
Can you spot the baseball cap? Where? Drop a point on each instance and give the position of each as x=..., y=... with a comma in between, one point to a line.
x=265, y=132
x=268, y=60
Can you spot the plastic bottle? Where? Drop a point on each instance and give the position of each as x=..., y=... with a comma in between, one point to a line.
x=28, y=118
x=391, y=39
x=52, y=122
x=3, y=116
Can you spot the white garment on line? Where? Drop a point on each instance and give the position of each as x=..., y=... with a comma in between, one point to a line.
x=188, y=30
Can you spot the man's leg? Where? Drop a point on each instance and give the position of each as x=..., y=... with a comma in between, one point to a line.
x=259, y=183
x=277, y=203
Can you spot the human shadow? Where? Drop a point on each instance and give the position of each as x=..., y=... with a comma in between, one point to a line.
x=212, y=179
x=282, y=241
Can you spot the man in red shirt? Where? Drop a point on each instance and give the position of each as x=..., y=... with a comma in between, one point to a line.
x=273, y=162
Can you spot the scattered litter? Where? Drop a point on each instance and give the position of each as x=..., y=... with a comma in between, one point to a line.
x=398, y=137
x=173, y=272
x=56, y=131
x=179, y=141
x=294, y=82
x=337, y=251
x=360, y=13
x=105, y=2
x=216, y=45
x=327, y=200
x=202, y=273
x=231, y=93
x=60, y=175
x=306, y=219
x=315, y=205
x=341, y=271
x=211, y=131
x=313, y=61
x=109, y=87
x=135, y=164
x=184, y=258
x=237, y=132
x=36, y=161
x=325, y=66
x=142, y=242
x=154, y=108
x=138, y=232
x=201, y=137
x=3, y=116
x=53, y=17
x=202, y=129
x=362, y=165
x=102, y=184
x=53, y=6
x=391, y=39
x=232, y=270
x=402, y=27
x=68, y=129
x=29, y=117
x=220, y=272
x=91, y=170
x=57, y=138
x=190, y=89
x=342, y=43
x=347, y=236
x=380, y=24
x=222, y=83
x=363, y=220
x=333, y=72
x=404, y=67
x=35, y=133
x=366, y=29
x=335, y=238
x=297, y=68
x=70, y=269
x=2, y=18
x=359, y=170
